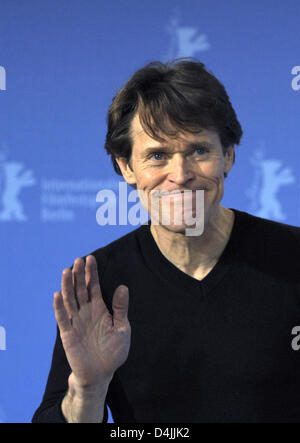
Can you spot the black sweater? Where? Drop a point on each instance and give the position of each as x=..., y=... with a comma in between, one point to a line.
x=215, y=350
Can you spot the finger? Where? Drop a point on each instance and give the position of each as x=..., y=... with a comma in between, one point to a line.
x=61, y=314
x=93, y=284
x=79, y=281
x=68, y=293
x=120, y=304
x=92, y=278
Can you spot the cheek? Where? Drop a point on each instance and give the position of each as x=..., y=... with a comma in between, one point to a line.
x=213, y=173
x=148, y=179
x=146, y=182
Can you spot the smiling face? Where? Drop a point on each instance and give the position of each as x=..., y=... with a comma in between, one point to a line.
x=186, y=163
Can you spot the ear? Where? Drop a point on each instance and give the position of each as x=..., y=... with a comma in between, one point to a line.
x=229, y=158
x=126, y=170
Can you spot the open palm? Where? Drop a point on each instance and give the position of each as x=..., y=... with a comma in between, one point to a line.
x=96, y=343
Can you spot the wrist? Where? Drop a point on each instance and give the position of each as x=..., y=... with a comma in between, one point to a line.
x=82, y=391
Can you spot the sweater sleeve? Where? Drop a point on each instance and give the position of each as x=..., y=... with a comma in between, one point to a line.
x=49, y=410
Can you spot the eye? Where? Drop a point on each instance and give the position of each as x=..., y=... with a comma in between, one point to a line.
x=157, y=156
x=200, y=150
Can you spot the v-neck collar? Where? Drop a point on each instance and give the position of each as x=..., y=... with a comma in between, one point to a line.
x=167, y=271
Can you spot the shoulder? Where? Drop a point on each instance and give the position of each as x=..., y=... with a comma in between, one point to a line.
x=272, y=226
x=117, y=250
x=269, y=247
x=117, y=263
x=270, y=232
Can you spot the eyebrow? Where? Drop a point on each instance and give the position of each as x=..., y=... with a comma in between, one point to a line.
x=190, y=146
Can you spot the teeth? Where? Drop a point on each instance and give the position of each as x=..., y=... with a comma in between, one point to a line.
x=164, y=193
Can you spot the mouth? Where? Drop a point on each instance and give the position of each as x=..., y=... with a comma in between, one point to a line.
x=176, y=192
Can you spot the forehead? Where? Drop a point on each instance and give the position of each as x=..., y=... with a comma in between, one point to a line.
x=140, y=139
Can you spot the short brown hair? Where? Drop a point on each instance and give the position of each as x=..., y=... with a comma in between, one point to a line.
x=181, y=95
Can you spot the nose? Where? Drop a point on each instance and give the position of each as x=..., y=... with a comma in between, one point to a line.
x=180, y=170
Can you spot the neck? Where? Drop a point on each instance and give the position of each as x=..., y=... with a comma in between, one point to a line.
x=196, y=255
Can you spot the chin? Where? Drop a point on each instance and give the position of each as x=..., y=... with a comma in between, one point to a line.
x=178, y=229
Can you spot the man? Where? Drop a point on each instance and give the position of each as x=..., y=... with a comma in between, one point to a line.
x=162, y=326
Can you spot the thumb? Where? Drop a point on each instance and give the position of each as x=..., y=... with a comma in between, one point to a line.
x=120, y=304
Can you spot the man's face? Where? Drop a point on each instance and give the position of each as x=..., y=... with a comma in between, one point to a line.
x=188, y=162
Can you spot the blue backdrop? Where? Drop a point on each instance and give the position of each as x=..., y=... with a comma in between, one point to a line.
x=61, y=62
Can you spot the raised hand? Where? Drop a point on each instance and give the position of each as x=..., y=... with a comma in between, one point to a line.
x=96, y=343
